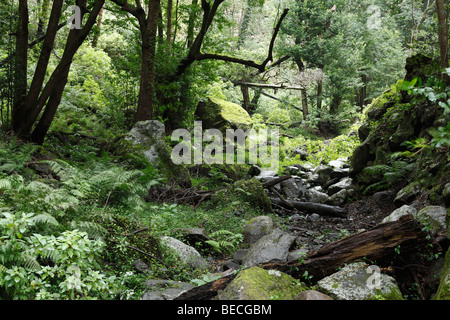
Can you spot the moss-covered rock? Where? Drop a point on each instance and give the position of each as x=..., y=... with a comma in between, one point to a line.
x=219, y=114
x=398, y=137
x=258, y=284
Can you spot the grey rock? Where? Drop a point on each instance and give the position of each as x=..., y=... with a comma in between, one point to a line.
x=140, y=266
x=148, y=134
x=193, y=235
x=256, y=228
x=343, y=184
x=400, y=212
x=407, y=194
x=297, y=254
x=187, y=254
x=321, y=175
x=357, y=282
x=312, y=195
x=339, y=163
x=239, y=255
x=165, y=289
x=290, y=189
x=274, y=246
x=338, y=198
x=434, y=217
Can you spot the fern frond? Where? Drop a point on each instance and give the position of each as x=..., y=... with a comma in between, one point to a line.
x=5, y=184
x=45, y=218
x=30, y=262
x=93, y=229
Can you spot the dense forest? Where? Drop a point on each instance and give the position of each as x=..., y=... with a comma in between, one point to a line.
x=117, y=181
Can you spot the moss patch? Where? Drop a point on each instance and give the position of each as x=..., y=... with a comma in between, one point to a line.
x=258, y=284
x=219, y=114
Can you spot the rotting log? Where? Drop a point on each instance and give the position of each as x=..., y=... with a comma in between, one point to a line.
x=378, y=244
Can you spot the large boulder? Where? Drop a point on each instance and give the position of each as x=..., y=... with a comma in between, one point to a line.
x=258, y=284
x=220, y=114
x=149, y=136
x=354, y=282
x=272, y=247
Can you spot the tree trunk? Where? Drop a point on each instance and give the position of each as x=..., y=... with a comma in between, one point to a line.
x=149, y=30
x=46, y=120
x=246, y=97
x=443, y=36
x=191, y=23
x=99, y=28
x=51, y=93
x=169, y=24
x=305, y=104
x=319, y=94
x=20, y=67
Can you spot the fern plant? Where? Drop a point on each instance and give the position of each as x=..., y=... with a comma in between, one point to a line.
x=225, y=241
x=103, y=184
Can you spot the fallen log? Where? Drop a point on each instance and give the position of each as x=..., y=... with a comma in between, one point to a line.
x=378, y=244
x=321, y=209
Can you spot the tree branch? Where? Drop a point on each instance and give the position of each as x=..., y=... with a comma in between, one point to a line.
x=195, y=51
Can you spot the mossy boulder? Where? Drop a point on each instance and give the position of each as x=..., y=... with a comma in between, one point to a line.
x=220, y=114
x=258, y=284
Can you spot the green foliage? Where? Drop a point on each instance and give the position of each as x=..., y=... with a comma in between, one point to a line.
x=225, y=241
x=47, y=267
x=14, y=156
x=387, y=176
x=319, y=151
